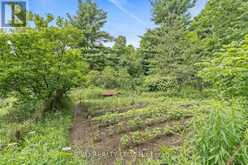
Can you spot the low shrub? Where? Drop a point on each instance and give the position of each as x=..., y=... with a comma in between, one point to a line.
x=110, y=78
x=157, y=83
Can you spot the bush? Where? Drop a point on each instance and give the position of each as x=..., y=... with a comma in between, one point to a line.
x=228, y=70
x=41, y=64
x=110, y=78
x=157, y=83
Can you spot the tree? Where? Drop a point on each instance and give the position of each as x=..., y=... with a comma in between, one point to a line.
x=169, y=58
x=148, y=45
x=119, y=52
x=134, y=62
x=228, y=70
x=120, y=42
x=125, y=57
x=90, y=20
x=221, y=22
x=41, y=63
x=168, y=12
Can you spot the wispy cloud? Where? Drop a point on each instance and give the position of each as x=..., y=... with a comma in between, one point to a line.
x=119, y=5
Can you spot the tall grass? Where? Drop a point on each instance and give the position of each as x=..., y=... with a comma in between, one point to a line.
x=42, y=141
x=220, y=134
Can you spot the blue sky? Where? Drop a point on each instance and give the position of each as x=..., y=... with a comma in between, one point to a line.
x=130, y=18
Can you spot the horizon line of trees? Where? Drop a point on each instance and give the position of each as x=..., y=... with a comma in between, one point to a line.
x=45, y=61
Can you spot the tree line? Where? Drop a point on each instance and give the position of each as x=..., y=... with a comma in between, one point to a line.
x=43, y=62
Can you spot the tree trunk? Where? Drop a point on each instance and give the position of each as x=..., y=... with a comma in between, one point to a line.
x=55, y=102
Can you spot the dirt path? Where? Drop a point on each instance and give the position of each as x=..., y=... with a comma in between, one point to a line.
x=82, y=128
x=84, y=137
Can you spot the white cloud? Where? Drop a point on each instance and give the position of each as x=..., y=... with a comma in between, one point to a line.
x=119, y=5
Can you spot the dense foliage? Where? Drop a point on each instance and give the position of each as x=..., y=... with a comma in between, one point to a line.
x=228, y=69
x=166, y=48
x=219, y=142
x=203, y=57
x=221, y=22
x=90, y=19
x=41, y=63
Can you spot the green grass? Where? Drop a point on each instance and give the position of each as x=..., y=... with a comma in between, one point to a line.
x=5, y=126
x=42, y=142
x=218, y=129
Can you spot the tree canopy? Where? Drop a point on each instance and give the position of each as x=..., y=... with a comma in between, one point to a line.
x=41, y=63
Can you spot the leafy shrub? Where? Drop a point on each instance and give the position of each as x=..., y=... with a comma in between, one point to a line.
x=110, y=78
x=41, y=63
x=228, y=70
x=157, y=83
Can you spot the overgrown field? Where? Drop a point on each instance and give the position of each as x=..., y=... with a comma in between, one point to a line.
x=138, y=128
x=133, y=127
x=25, y=139
x=73, y=93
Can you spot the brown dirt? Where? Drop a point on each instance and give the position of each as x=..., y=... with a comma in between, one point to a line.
x=101, y=149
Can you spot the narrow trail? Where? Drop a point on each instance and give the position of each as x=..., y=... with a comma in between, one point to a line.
x=84, y=137
x=81, y=127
